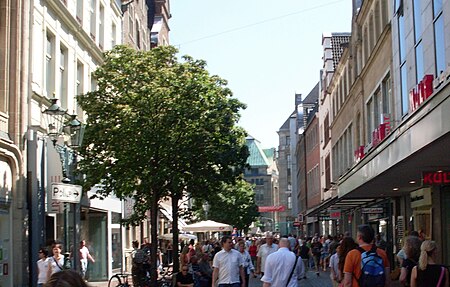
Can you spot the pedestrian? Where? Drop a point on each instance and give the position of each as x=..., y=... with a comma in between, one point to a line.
x=169, y=250
x=66, y=278
x=228, y=266
x=335, y=273
x=183, y=278
x=264, y=250
x=42, y=267
x=56, y=261
x=380, y=242
x=252, y=250
x=427, y=272
x=138, y=258
x=205, y=271
x=316, y=250
x=347, y=244
x=412, y=252
x=283, y=267
x=184, y=259
x=84, y=257
x=325, y=254
x=304, y=253
x=248, y=265
x=353, y=275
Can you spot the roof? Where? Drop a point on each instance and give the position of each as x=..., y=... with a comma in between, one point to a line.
x=313, y=96
x=270, y=154
x=257, y=155
x=337, y=47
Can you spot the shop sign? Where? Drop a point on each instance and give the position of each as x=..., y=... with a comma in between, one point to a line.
x=297, y=224
x=436, y=178
x=335, y=214
x=422, y=91
x=274, y=208
x=421, y=197
x=66, y=192
x=372, y=210
x=323, y=218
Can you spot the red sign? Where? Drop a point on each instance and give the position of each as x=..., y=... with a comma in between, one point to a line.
x=422, y=91
x=271, y=208
x=359, y=153
x=435, y=177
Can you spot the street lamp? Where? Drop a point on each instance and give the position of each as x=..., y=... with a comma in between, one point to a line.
x=56, y=126
x=206, y=207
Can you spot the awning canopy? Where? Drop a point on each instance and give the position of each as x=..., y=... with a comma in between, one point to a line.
x=166, y=209
x=206, y=226
x=169, y=236
x=273, y=208
x=342, y=204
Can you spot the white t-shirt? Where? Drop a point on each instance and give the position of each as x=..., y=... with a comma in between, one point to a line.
x=55, y=267
x=42, y=266
x=264, y=251
x=279, y=266
x=228, y=264
x=84, y=251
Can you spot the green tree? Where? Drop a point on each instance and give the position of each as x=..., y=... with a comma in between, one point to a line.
x=233, y=204
x=156, y=128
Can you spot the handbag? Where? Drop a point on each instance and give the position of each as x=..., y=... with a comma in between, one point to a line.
x=441, y=277
x=292, y=271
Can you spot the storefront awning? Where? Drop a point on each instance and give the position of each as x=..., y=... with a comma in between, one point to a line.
x=271, y=208
x=167, y=211
x=343, y=204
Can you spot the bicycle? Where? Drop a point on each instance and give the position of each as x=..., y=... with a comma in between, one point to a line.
x=119, y=280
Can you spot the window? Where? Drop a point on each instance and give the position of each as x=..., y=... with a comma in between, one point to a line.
x=79, y=86
x=369, y=119
x=377, y=106
x=63, y=77
x=386, y=94
x=327, y=173
x=401, y=38
x=50, y=66
x=80, y=11
x=418, y=40
x=101, y=28
x=404, y=90
x=93, y=18
x=113, y=35
x=288, y=140
x=138, y=35
x=439, y=40
x=371, y=32
x=419, y=62
x=130, y=20
x=289, y=202
x=326, y=130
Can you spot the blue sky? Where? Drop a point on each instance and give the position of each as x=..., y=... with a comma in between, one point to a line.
x=267, y=50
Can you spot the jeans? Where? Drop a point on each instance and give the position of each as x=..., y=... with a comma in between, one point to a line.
x=84, y=264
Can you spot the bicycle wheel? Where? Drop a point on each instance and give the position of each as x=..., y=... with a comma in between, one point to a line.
x=115, y=281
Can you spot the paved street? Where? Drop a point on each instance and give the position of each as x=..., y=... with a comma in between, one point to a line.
x=312, y=281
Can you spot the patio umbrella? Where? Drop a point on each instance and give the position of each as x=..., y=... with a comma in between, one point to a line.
x=169, y=236
x=207, y=226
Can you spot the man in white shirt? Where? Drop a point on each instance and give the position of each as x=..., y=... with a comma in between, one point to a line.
x=228, y=266
x=84, y=257
x=264, y=250
x=279, y=266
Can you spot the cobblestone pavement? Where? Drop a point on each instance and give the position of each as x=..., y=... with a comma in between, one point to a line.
x=323, y=280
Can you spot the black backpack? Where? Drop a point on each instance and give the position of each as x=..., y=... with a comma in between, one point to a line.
x=372, y=269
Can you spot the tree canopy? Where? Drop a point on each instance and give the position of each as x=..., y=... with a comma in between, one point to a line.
x=157, y=127
x=233, y=204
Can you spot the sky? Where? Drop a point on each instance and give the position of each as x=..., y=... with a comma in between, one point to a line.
x=267, y=50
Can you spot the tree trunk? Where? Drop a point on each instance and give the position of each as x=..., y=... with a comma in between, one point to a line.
x=176, y=261
x=154, y=240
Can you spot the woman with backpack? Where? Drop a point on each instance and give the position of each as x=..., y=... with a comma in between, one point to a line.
x=427, y=273
x=412, y=252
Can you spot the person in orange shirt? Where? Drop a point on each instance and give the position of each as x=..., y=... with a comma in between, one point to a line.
x=352, y=265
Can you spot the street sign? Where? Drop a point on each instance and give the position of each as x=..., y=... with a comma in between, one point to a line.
x=373, y=210
x=66, y=192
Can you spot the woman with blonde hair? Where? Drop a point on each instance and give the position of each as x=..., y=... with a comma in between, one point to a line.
x=412, y=252
x=427, y=273
x=184, y=259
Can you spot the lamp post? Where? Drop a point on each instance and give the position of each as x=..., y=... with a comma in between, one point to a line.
x=57, y=126
x=206, y=207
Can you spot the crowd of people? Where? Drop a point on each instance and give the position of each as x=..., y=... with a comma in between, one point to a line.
x=232, y=261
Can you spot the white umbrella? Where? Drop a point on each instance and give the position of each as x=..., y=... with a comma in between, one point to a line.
x=169, y=236
x=207, y=225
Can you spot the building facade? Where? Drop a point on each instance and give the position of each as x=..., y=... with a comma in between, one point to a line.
x=14, y=204
x=68, y=41
x=263, y=175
